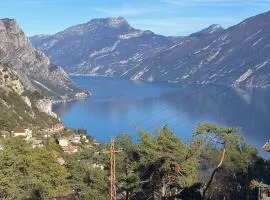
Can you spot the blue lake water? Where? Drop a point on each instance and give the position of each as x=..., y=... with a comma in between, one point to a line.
x=119, y=105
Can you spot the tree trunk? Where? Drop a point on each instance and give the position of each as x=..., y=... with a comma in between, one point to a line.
x=213, y=173
x=127, y=195
x=153, y=192
x=163, y=189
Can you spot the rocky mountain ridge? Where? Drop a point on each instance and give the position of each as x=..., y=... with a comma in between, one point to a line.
x=107, y=46
x=237, y=56
x=32, y=67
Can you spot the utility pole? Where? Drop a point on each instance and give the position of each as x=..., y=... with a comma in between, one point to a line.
x=112, y=175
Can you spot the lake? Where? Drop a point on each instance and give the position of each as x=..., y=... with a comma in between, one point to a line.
x=119, y=105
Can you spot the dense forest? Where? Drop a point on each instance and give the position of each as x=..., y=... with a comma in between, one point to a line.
x=215, y=164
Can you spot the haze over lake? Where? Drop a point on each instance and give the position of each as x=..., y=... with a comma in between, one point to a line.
x=119, y=105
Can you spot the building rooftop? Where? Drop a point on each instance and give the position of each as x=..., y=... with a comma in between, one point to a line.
x=70, y=148
x=19, y=129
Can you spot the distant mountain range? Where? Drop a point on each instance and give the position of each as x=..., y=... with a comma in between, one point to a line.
x=237, y=56
x=107, y=46
x=32, y=67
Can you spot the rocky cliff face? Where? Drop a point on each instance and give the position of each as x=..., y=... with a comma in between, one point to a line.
x=19, y=106
x=31, y=66
x=45, y=105
x=9, y=81
x=108, y=46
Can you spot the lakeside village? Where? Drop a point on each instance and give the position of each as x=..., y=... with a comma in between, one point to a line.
x=69, y=140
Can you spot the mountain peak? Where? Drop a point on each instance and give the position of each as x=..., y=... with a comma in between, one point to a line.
x=117, y=21
x=96, y=25
x=214, y=28
x=8, y=22
x=110, y=21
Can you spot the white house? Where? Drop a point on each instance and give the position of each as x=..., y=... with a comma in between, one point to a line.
x=84, y=138
x=20, y=131
x=37, y=143
x=76, y=139
x=63, y=142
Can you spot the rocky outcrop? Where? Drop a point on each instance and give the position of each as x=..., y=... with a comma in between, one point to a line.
x=9, y=81
x=33, y=68
x=27, y=101
x=45, y=105
x=18, y=105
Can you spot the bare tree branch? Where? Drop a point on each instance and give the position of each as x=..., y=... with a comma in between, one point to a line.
x=214, y=172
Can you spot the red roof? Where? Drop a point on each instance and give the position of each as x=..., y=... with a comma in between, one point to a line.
x=58, y=126
x=19, y=129
x=70, y=148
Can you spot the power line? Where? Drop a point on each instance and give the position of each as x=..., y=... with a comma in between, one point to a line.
x=176, y=115
x=135, y=124
x=180, y=121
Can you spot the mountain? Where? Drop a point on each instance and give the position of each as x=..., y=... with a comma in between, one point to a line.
x=107, y=46
x=32, y=67
x=214, y=28
x=39, y=38
x=237, y=56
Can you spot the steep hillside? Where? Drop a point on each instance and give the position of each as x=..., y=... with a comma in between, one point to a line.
x=31, y=66
x=18, y=106
x=238, y=56
x=108, y=46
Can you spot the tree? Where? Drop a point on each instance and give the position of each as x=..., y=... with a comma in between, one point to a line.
x=167, y=165
x=87, y=182
x=234, y=158
x=26, y=172
x=126, y=165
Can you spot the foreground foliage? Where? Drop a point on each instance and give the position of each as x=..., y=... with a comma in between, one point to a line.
x=27, y=173
x=214, y=164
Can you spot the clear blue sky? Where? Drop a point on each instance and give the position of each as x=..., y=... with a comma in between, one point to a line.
x=167, y=17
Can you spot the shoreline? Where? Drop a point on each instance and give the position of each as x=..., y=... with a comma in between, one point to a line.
x=68, y=100
x=232, y=85
x=77, y=96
